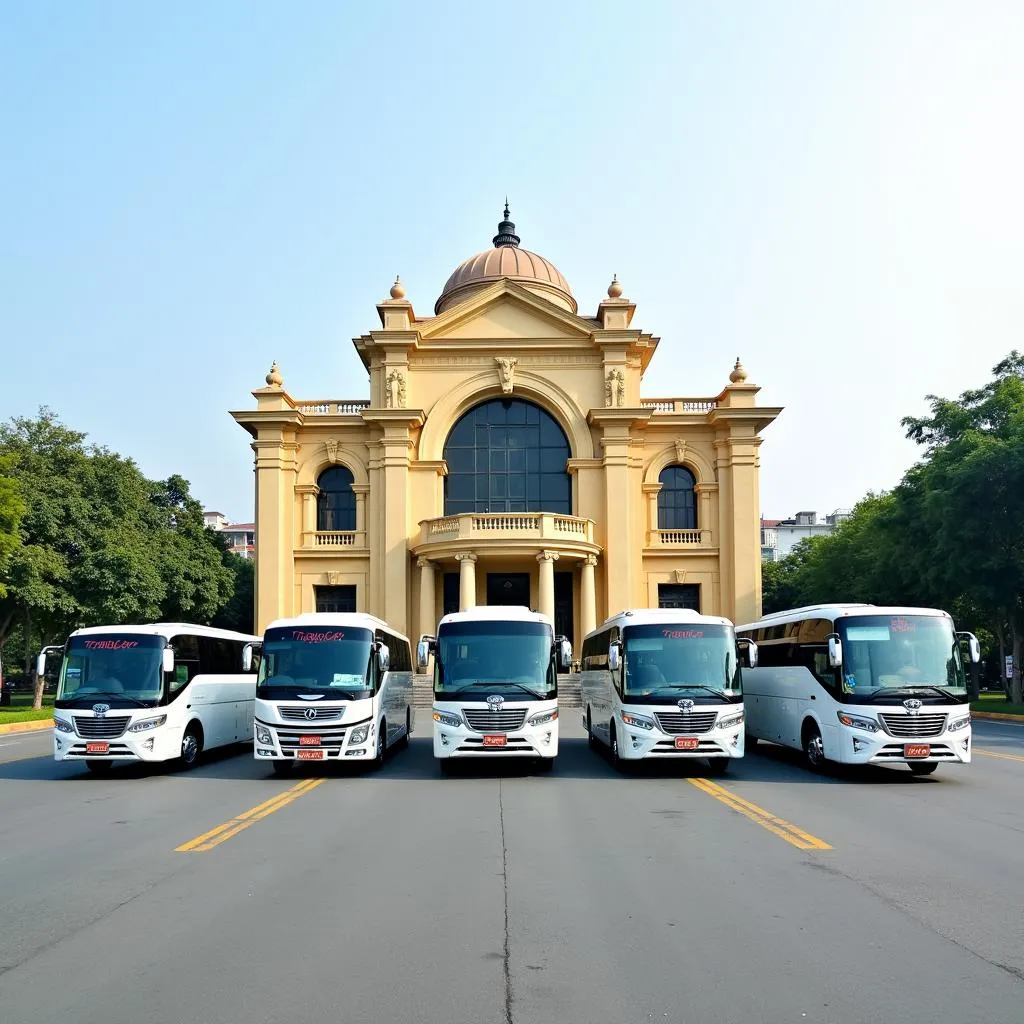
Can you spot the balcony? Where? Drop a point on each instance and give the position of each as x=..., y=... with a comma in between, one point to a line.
x=507, y=530
x=332, y=406
x=333, y=541
x=679, y=542
x=692, y=406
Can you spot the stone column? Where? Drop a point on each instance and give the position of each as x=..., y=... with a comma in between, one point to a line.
x=427, y=620
x=309, y=494
x=546, y=605
x=467, y=580
x=360, y=491
x=588, y=597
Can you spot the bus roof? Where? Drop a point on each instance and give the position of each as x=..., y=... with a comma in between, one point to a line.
x=837, y=611
x=494, y=613
x=352, y=619
x=651, y=616
x=165, y=629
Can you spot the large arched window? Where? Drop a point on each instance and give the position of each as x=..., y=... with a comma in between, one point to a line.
x=336, y=505
x=507, y=455
x=677, y=508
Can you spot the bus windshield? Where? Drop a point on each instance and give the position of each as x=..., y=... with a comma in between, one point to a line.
x=900, y=653
x=663, y=661
x=120, y=669
x=476, y=660
x=331, y=661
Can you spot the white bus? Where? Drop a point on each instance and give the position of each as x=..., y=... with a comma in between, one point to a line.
x=860, y=684
x=496, y=684
x=332, y=687
x=159, y=692
x=665, y=683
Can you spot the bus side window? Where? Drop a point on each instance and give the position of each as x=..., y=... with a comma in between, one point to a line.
x=815, y=657
x=186, y=661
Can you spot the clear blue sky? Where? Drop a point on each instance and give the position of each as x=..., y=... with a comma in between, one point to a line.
x=832, y=191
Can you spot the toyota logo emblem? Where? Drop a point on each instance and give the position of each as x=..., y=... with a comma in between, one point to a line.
x=494, y=702
x=100, y=709
x=685, y=705
x=913, y=705
x=310, y=713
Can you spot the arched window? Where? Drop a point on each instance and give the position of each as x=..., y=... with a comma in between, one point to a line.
x=507, y=455
x=677, y=507
x=336, y=505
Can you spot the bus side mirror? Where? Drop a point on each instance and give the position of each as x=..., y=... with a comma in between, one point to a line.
x=383, y=657
x=423, y=649
x=614, y=655
x=168, y=659
x=565, y=655
x=748, y=654
x=249, y=656
x=973, y=646
x=835, y=652
x=41, y=664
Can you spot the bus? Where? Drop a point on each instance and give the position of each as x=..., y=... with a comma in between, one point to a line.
x=496, y=684
x=332, y=687
x=862, y=684
x=665, y=683
x=159, y=692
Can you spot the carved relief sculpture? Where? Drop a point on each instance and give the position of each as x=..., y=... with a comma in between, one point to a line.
x=615, y=388
x=332, y=449
x=394, y=390
x=506, y=372
x=680, y=450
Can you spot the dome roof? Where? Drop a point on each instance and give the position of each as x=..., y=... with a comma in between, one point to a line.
x=506, y=259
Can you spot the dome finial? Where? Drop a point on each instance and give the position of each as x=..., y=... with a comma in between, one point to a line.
x=398, y=289
x=506, y=232
x=615, y=288
x=739, y=374
x=274, y=378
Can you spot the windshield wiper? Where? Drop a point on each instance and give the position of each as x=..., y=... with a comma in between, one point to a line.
x=111, y=695
x=694, y=686
x=914, y=688
x=494, y=684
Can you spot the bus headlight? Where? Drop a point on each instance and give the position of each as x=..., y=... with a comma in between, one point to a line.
x=543, y=717
x=264, y=735
x=447, y=718
x=359, y=734
x=856, y=722
x=729, y=721
x=62, y=725
x=147, y=723
x=637, y=722
x=956, y=724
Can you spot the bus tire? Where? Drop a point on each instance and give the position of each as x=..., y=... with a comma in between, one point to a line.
x=382, y=744
x=749, y=742
x=923, y=769
x=718, y=765
x=445, y=765
x=617, y=762
x=591, y=738
x=814, y=746
x=99, y=767
x=408, y=727
x=545, y=764
x=282, y=769
x=191, y=746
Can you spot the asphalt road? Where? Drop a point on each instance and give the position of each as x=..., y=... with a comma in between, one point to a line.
x=770, y=895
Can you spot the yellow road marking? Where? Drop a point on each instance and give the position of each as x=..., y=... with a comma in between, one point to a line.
x=993, y=753
x=783, y=829
x=218, y=835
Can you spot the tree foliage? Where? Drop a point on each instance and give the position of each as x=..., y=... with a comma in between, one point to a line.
x=950, y=535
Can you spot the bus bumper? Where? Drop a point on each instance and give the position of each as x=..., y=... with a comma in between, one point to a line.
x=529, y=741
x=864, y=748
x=160, y=744
x=637, y=744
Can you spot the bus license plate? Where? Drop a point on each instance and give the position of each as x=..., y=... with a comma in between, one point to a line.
x=309, y=741
x=310, y=755
x=97, y=748
x=495, y=741
x=917, y=750
x=687, y=743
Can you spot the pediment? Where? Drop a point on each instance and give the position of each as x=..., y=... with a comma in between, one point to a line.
x=506, y=311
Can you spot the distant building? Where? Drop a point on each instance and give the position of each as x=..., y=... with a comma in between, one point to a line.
x=240, y=537
x=780, y=536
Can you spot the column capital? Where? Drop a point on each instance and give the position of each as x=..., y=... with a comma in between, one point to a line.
x=548, y=556
x=360, y=490
x=310, y=490
x=590, y=560
x=465, y=556
x=424, y=563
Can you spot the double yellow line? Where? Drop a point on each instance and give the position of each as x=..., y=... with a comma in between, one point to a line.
x=220, y=834
x=783, y=829
x=994, y=753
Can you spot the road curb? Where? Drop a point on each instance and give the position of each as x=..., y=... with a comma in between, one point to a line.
x=38, y=726
x=994, y=716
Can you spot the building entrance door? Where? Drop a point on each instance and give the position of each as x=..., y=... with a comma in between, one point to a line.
x=505, y=588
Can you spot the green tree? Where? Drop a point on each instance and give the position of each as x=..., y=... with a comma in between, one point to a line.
x=240, y=612
x=12, y=509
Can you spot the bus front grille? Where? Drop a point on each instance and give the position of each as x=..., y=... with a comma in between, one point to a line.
x=484, y=720
x=675, y=722
x=101, y=728
x=302, y=714
x=913, y=726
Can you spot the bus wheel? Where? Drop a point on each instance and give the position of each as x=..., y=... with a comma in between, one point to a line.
x=382, y=743
x=814, y=748
x=924, y=769
x=99, y=767
x=749, y=742
x=617, y=762
x=408, y=727
x=545, y=764
x=446, y=765
x=718, y=765
x=191, y=747
x=591, y=738
x=282, y=768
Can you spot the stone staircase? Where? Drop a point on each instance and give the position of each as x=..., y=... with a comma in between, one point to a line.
x=568, y=691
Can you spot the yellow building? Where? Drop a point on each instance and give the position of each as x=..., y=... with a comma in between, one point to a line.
x=505, y=456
